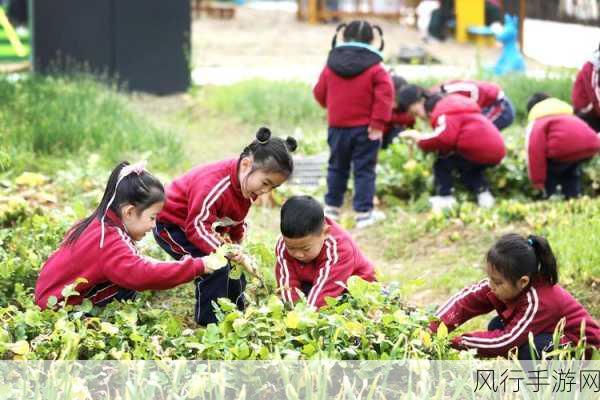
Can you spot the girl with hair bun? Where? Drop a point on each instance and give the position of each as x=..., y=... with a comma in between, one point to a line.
x=207, y=207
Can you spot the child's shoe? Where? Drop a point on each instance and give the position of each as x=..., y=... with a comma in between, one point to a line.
x=368, y=218
x=485, y=199
x=441, y=203
x=332, y=212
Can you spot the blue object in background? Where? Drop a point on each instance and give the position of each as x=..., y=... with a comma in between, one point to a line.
x=511, y=59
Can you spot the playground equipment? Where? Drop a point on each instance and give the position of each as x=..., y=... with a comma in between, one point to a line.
x=511, y=59
x=13, y=46
x=470, y=23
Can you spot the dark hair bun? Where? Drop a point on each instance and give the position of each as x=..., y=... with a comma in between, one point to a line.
x=291, y=144
x=263, y=135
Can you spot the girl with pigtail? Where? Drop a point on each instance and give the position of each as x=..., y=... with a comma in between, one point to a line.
x=358, y=94
x=522, y=286
x=207, y=207
x=99, y=253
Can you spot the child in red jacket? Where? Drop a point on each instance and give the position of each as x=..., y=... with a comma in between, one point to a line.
x=522, y=286
x=494, y=104
x=315, y=256
x=401, y=119
x=586, y=92
x=557, y=144
x=207, y=207
x=100, y=250
x=358, y=94
x=463, y=139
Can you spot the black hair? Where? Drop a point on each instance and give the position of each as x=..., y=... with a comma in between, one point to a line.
x=536, y=98
x=398, y=81
x=140, y=190
x=301, y=216
x=270, y=154
x=358, y=31
x=409, y=95
x=515, y=256
x=431, y=101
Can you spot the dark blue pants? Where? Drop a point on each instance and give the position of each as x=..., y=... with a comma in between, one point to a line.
x=592, y=120
x=471, y=174
x=351, y=147
x=502, y=113
x=209, y=288
x=565, y=174
x=542, y=341
x=388, y=137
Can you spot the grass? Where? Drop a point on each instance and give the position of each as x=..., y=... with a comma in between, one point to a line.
x=53, y=117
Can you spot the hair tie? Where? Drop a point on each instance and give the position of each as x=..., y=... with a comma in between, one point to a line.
x=263, y=141
x=138, y=168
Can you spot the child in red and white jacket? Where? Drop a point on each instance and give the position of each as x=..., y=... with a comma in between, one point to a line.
x=463, y=140
x=492, y=100
x=315, y=256
x=207, y=207
x=586, y=92
x=99, y=253
x=357, y=92
x=522, y=286
x=401, y=119
x=557, y=143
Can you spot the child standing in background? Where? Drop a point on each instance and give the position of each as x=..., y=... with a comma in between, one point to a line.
x=357, y=92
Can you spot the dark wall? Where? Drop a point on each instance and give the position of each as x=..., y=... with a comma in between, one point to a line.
x=144, y=43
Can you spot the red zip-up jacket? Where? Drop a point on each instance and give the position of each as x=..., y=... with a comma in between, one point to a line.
x=117, y=263
x=557, y=137
x=339, y=259
x=586, y=90
x=207, y=200
x=355, y=89
x=460, y=128
x=486, y=94
x=537, y=309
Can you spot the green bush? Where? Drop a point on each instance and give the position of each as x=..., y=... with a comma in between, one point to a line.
x=55, y=116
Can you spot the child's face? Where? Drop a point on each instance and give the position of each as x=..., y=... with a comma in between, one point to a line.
x=138, y=224
x=307, y=248
x=504, y=289
x=254, y=184
x=418, y=109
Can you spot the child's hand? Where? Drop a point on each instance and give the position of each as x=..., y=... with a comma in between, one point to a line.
x=375, y=134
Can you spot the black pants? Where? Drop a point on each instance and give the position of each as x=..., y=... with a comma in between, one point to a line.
x=209, y=287
x=471, y=174
x=351, y=148
x=592, y=120
x=388, y=137
x=542, y=341
x=565, y=174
